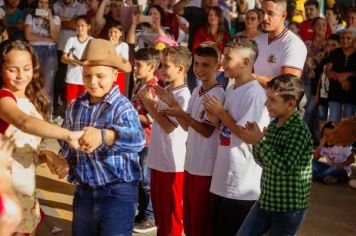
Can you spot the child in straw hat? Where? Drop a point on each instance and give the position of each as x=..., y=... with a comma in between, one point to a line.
x=106, y=172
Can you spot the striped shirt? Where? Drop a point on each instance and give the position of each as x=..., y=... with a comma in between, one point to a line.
x=107, y=164
x=285, y=154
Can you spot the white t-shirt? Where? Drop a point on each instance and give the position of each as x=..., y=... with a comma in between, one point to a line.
x=75, y=73
x=123, y=50
x=337, y=154
x=40, y=27
x=286, y=50
x=167, y=151
x=236, y=175
x=201, y=151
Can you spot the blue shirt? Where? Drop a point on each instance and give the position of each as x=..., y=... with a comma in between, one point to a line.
x=12, y=20
x=107, y=164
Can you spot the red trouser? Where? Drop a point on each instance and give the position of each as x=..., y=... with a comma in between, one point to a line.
x=198, y=205
x=167, y=202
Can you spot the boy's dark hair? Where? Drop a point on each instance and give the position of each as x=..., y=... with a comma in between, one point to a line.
x=242, y=42
x=179, y=56
x=334, y=37
x=209, y=49
x=288, y=86
x=327, y=125
x=312, y=3
x=148, y=54
x=84, y=18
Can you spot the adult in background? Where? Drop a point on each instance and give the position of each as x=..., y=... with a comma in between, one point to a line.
x=280, y=50
x=67, y=10
x=351, y=18
x=334, y=19
x=316, y=49
x=341, y=71
x=252, y=24
x=42, y=32
x=312, y=11
x=14, y=19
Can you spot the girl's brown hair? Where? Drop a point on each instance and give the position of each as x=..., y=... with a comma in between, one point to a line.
x=219, y=36
x=118, y=26
x=35, y=89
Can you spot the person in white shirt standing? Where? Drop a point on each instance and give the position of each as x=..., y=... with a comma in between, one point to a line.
x=42, y=30
x=72, y=54
x=166, y=153
x=202, y=143
x=236, y=176
x=280, y=50
x=68, y=11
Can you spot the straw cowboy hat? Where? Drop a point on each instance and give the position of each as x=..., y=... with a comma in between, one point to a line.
x=100, y=52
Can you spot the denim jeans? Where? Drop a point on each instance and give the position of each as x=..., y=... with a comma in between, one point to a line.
x=321, y=170
x=259, y=222
x=144, y=198
x=107, y=210
x=336, y=108
x=323, y=112
x=49, y=65
x=311, y=116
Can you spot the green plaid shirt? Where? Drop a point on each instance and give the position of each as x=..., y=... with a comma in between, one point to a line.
x=285, y=155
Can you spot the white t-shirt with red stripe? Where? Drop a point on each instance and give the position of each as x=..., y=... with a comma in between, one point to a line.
x=236, y=175
x=167, y=150
x=286, y=50
x=201, y=151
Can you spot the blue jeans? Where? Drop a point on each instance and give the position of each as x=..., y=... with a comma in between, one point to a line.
x=321, y=170
x=311, y=116
x=145, y=210
x=336, y=108
x=323, y=112
x=49, y=65
x=107, y=210
x=259, y=222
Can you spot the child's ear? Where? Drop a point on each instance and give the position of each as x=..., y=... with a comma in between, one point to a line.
x=246, y=62
x=181, y=69
x=292, y=104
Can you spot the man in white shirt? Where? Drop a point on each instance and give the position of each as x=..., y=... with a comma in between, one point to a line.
x=280, y=51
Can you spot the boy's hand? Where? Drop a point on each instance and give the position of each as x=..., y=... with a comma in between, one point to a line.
x=56, y=164
x=147, y=98
x=174, y=111
x=90, y=140
x=73, y=138
x=213, y=105
x=251, y=133
x=6, y=148
x=165, y=95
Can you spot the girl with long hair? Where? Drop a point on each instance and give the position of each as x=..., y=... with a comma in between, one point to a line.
x=23, y=108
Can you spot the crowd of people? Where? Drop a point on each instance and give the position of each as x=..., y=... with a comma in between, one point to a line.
x=206, y=117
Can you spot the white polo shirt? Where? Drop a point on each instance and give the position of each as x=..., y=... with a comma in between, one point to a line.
x=236, y=175
x=201, y=151
x=74, y=72
x=70, y=12
x=167, y=150
x=286, y=50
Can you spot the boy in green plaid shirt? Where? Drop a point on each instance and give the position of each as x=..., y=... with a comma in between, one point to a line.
x=284, y=151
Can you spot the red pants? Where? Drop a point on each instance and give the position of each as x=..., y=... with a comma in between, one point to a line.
x=120, y=81
x=198, y=205
x=167, y=202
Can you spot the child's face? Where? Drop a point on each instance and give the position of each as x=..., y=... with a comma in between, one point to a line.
x=169, y=70
x=232, y=63
x=17, y=70
x=276, y=106
x=115, y=35
x=82, y=27
x=205, y=68
x=98, y=80
x=142, y=69
x=331, y=45
x=325, y=134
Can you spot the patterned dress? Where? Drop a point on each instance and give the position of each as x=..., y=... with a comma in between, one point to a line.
x=25, y=157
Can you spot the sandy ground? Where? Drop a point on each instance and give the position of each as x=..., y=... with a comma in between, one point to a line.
x=332, y=209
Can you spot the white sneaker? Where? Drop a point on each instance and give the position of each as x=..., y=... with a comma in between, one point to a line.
x=352, y=183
